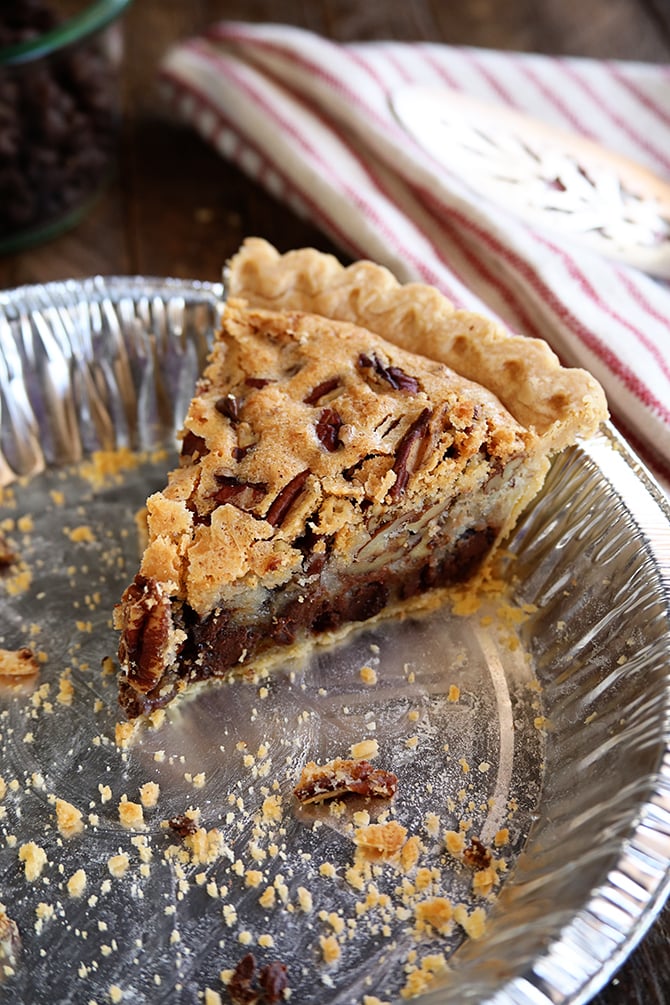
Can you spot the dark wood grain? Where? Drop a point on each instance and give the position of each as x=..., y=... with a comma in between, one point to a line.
x=176, y=208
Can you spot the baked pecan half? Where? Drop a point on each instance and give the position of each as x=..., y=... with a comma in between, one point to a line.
x=321, y=390
x=409, y=452
x=242, y=494
x=288, y=495
x=328, y=429
x=145, y=619
x=393, y=375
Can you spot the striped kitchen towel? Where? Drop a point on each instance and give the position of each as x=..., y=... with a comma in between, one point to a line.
x=312, y=120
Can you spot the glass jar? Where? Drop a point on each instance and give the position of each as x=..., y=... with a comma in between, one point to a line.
x=60, y=113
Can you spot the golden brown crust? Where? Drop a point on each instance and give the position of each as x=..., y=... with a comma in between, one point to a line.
x=559, y=403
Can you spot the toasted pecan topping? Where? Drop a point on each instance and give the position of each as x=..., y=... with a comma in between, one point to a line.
x=288, y=495
x=393, y=375
x=410, y=451
x=193, y=446
x=240, y=493
x=321, y=390
x=328, y=428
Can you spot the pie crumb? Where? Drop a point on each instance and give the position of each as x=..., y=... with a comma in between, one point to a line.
x=18, y=662
x=436, y=912
x=304, y=899
x=131, y=815
x=381, y=841
x=501, y=838
x=118, y=865
x=330, y=948
x=368, y=675
x=76, y=884
x=365, y=749
x=123, y=733
x=34, y=859
x=68, y=819
x=149, y=793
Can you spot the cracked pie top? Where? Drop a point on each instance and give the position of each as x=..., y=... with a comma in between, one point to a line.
x=351, y=444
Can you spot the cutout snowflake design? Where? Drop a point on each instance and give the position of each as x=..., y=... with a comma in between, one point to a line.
x=549, y=178
x=578, y=197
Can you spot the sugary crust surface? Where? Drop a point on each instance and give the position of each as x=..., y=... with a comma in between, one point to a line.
x=558, y=403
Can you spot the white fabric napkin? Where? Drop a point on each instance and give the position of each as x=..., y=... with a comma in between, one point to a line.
x=311, y=120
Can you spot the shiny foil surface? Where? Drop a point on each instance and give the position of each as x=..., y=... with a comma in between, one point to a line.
x=540, y=713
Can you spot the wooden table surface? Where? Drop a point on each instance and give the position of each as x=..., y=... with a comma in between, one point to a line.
x=178, y=209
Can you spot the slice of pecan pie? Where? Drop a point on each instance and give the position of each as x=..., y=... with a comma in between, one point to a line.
x=353, y=443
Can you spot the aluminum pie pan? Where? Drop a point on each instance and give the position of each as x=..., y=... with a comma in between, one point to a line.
x=104, y=363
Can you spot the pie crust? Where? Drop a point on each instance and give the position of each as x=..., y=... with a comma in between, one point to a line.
x=352, y=444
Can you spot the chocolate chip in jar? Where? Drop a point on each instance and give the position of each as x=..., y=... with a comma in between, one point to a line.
x=59, y=121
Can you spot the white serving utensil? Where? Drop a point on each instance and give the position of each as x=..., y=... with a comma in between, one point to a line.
x=551, y=178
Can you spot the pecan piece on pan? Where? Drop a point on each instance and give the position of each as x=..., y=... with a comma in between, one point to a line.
x=244, y=495
x=272, y=982
x=183, y=825
x=7, y=553
x=342, y=776
x=273, y=978
x=477, y=856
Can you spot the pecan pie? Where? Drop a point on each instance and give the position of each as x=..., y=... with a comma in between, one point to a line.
x=352, y=444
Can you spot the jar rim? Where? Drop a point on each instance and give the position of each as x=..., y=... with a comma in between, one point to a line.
x=92, y=19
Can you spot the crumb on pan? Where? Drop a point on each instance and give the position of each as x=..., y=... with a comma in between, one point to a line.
x=18, y=662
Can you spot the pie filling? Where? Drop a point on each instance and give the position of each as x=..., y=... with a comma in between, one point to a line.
x=221, y=641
